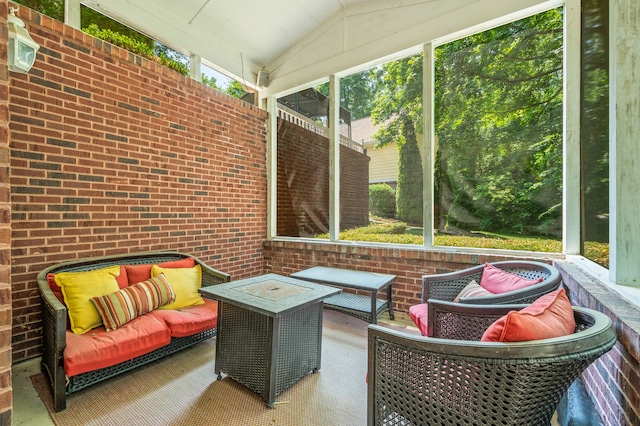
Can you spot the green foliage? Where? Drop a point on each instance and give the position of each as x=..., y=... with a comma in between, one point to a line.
x=382, y=200
x=398, y=104
x=235, y=89
x=499, y=125
x=121, y=40
x=51, y=8
x=390, y=233
x=211, y=82
x=138, y=47
x=55, y=9
x=357, y=93
x=410, y=183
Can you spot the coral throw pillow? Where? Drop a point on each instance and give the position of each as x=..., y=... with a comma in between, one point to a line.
x=79, y=287
x=117, y=309
x=549, y=316
x=498, y=281
x=139, y=273
x=473, y=289
x=185, y=283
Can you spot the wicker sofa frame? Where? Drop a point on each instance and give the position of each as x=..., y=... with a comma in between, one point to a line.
x=447, y=286
x=419, y=380
x=54, y=323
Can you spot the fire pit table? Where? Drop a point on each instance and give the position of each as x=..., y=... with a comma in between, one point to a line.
x=269, y=331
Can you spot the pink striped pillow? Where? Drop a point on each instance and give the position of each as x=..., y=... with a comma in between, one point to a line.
x=117, y=309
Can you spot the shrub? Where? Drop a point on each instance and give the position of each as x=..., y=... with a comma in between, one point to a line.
x=137, y=47
x=382, y=200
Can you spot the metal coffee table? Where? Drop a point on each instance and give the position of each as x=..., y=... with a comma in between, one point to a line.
x=367, y=308
x=269, y=331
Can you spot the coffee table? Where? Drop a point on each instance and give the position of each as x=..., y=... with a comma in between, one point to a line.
x=367, y=308
x=269, y=331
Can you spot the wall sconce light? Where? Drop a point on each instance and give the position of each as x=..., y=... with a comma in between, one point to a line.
x=21, y=49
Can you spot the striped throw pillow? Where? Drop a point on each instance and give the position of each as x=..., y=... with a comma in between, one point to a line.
x=117, y=309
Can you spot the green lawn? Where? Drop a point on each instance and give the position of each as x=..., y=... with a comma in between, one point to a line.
x=398, y=233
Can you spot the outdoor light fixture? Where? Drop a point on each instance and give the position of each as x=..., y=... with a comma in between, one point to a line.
x=22, y=48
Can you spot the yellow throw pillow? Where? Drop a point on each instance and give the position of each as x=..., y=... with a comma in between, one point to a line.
x=185, y=283
x=79, y=287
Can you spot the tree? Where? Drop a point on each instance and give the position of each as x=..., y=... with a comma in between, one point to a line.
x=398, y=104
x=357, y=93
x=498, y=121
x=235, y=89
x=499, y=124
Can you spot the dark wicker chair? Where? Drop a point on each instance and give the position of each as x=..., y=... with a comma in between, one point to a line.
x=54, y=322
x=450, y=380
x=447, y=286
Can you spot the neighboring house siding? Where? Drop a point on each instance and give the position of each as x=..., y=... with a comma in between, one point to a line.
x=383, y=167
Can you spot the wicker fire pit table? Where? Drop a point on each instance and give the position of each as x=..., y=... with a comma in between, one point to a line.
x=269, y=331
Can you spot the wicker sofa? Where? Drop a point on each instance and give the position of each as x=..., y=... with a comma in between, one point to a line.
x=454, y=379
x=58, y=338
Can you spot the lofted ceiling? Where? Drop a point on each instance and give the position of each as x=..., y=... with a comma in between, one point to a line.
x=302, y=42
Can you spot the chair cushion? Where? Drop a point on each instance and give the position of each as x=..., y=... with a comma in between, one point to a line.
x=191, y=320
x=122, y=306
x=185, y=283
x=498, y=281
x=549, y=316
x=79, y=287
x=139, y=273
x=420, y=316
x=473, y=289
x=99, y=349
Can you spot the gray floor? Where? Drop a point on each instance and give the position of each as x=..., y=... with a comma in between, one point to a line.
x=28, y=409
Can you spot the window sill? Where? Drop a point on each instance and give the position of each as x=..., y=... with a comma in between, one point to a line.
x=631, y=294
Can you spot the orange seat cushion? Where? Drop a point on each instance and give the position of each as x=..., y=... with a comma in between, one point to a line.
x=99, y=349
x=420, y=316
x=191, y=320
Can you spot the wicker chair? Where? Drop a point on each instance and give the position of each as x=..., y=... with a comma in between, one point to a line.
x=449, y=380
x=447, y=286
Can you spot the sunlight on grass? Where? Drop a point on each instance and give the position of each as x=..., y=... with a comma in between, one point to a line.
x=397, y=233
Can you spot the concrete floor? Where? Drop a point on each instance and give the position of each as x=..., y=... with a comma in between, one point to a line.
x=28, y=409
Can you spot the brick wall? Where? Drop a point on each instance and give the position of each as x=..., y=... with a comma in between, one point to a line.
x=5, y=230
x=286, y=257
x=303, y=183
x=112, y=153
x=612, y=381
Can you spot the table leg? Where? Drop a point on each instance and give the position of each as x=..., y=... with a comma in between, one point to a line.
x=272, y=367
x=374, y=310
x=319, y=337
x=389, y=301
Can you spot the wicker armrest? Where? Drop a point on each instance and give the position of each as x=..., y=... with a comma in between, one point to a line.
x=418, y=380
x=212, y=276
x=447, y=286
x=449, y=320
x=54, y=339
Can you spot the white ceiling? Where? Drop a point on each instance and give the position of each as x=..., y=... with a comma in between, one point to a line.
x=301, y=42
